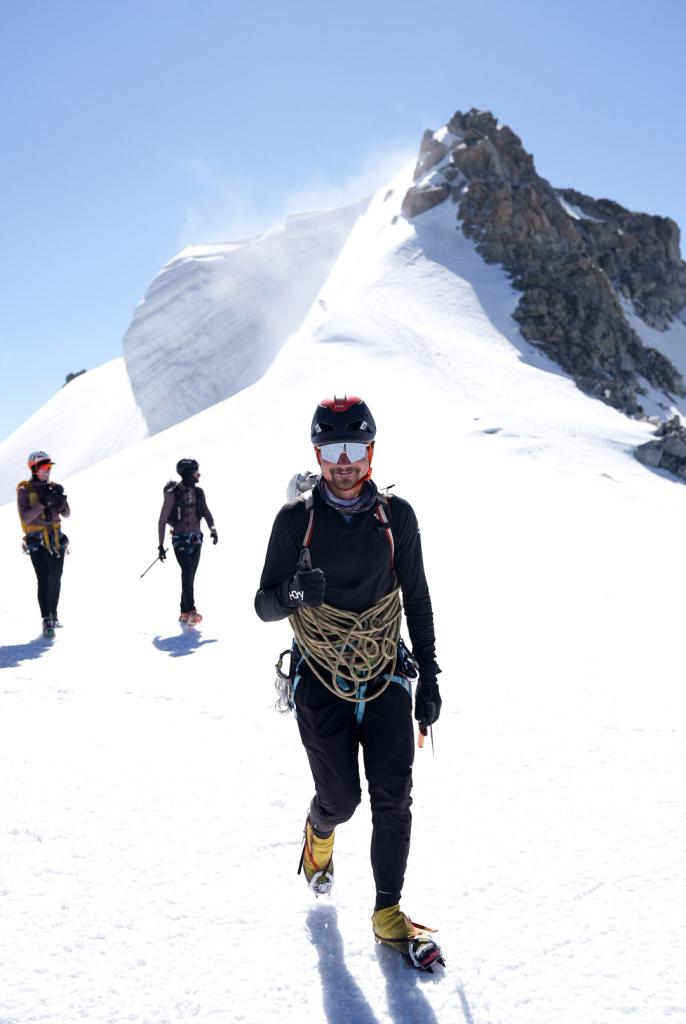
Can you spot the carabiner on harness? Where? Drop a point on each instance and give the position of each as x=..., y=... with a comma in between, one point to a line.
x=283, y=686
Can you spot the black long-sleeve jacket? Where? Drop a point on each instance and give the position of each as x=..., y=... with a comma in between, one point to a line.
x=354, y=553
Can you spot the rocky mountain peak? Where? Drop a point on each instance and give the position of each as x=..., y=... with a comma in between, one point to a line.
x=576, y=260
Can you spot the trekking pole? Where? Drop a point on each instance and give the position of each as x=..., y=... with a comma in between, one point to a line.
x=149, y=568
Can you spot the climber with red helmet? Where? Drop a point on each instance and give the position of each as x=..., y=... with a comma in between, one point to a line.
x=41, y=504
x=337, y=563
x=183, y=508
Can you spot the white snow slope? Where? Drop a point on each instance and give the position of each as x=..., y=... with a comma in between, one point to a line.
x=153, y=800
x=88, y=419
x=214, y=318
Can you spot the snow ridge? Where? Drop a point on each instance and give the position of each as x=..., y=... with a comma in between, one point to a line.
x=215, y=317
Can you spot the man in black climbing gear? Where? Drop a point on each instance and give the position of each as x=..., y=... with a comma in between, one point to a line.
x=183, y=508
x=337, y=562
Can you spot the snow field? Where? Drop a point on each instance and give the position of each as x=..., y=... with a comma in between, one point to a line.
x=154, y=804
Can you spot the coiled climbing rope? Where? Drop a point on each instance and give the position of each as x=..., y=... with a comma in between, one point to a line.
x=354, y=647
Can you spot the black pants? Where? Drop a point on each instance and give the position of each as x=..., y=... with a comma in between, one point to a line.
x=332, y=738
x=188, y=558
x=48, y=569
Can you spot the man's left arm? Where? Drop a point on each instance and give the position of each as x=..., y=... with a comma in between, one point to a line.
x=209, y=519
x=409, y=564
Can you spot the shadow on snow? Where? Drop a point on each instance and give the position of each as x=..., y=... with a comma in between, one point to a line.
x=186, y=642
x=12, y=655
x=488, y=289
x=344, y=1001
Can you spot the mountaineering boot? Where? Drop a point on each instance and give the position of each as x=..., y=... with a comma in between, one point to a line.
x=394, y=929
x=48, y=628
x=317, y=861
x=183, y=617
x=194, y=617
x=56, y=624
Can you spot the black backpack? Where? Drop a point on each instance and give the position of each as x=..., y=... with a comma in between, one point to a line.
x=179, y=509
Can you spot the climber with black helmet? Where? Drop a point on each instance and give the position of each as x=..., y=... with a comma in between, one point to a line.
x=183, y=508
x=337, y=562
x=41, y=504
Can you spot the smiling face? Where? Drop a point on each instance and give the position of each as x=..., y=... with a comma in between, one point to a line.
x=344, y=478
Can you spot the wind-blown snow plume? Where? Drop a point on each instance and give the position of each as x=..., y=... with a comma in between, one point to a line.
x=215, y=317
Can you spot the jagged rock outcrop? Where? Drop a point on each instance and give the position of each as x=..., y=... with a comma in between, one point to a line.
x=572, y=257
x=419, y=200
x=668, y=450
x=638, y=253
x=430, y=152
x=70, y=376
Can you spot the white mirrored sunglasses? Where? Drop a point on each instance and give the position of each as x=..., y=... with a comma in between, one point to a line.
x=355, y=450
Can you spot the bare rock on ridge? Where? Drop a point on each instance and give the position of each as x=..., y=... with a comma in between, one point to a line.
x=572, y=257
x=668, y=450
x=419, y=200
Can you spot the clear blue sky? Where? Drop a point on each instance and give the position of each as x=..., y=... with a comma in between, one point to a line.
x=130, y=128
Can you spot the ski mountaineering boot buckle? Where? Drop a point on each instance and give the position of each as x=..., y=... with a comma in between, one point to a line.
x=394, y=929
x=316, y=861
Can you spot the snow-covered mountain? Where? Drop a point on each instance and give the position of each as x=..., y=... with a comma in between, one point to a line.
x=88, y=419
x=154, y=800
x=215, y=316
x=574, y=260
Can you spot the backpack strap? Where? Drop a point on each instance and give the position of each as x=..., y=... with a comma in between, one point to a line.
x=381, y=512
x=179, y=503
x=177, y=510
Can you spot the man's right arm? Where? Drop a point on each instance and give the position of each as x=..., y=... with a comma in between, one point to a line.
x=28, y=513
x=167, y=506
x=283, y=550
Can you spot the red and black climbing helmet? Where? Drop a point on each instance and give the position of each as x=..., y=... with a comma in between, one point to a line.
x=342, y=419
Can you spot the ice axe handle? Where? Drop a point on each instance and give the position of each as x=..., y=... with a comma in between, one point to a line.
x=305, y=561
x=421, y=735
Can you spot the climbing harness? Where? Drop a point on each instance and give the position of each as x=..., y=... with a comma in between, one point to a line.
x=186, y=541
x=286, y=683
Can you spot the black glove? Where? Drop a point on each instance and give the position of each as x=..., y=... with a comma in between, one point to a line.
x=214, y=535
x=57, y=496
x=51, y=495
x=162, y=552
x=306, y=588
x=427, y=702
x=42, y=492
